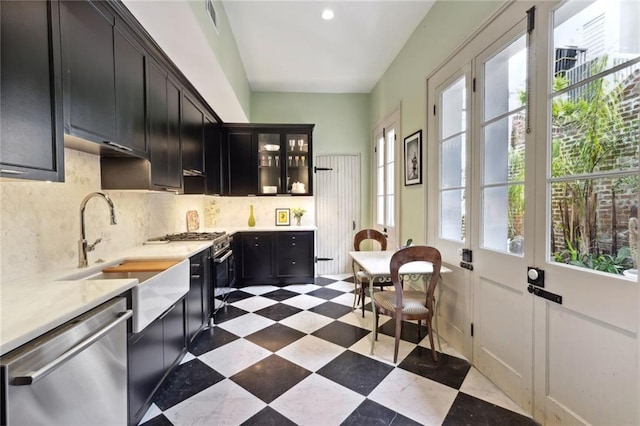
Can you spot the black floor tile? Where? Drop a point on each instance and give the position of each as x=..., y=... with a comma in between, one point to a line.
x=228, y=313
x=236, y=295
x=324, y=281
x=356, y=372
x=275, y=337
x=449, y=370
x=331, y=310
x=372, y=413
x=278, y=312
x=471, y=411
x=409, y=330
x=160, y=420
x=268, y=417
x=280, y=295
x=210, y=339
x=185, y=381
x=349, y=279
x=270, y=378
x=341, y=334
x=326, y=293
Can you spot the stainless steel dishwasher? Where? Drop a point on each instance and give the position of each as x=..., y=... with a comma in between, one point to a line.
x=75, y=374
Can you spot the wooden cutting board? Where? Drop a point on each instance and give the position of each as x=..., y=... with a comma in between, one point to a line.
x=143, y=266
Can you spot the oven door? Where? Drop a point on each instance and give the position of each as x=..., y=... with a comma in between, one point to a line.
x=222, y=282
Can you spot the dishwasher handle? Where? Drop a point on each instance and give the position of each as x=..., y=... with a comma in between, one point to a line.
x=30, y=377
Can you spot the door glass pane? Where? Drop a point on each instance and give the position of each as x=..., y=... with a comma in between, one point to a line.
x=380, y=210
x=505, y=80
x=453, y=128
x=593, y=183
x=503, y=147
x=504, y=150
x=453, y=101
x=390, y=211
x=451, y=214
x=452, y=163
x=591, y=37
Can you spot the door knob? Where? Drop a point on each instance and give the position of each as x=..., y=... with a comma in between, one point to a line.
x=532, y=274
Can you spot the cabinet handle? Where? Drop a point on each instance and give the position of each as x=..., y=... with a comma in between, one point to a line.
x=256, y=245
x=293, y=238
x=195, y=277
x=293, y=262
x=195, y=265
x=118, y=146
x=293, y=244
x=12, y=172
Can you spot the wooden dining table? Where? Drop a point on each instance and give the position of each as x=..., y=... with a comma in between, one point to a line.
x=376, y=265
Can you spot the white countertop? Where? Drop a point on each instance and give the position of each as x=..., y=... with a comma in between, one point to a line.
x=31, y=306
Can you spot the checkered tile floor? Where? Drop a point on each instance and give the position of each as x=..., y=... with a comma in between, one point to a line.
x=300, y=355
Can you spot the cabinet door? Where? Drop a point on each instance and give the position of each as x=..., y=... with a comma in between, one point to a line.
x=192, y=137
x=195, y=297
x=146, y=367
x=174, y=334
x=213, y=156
x=295, y=254
x=270, y=164
x=88, y=61
x=242, y=173
x=298, y=162
x=129, y=86
x=164, y=129
x=31, y=140
x=257, y=250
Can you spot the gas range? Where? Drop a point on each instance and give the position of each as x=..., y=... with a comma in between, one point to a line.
x=221, y=241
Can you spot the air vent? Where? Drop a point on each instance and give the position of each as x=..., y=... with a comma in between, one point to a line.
x=211, y=10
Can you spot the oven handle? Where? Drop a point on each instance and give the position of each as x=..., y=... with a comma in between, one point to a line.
x=223, y=258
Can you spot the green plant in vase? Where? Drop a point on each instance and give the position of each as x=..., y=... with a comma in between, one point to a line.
x=298, y=213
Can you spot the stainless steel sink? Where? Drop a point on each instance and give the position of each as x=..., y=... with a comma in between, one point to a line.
x=155, y=293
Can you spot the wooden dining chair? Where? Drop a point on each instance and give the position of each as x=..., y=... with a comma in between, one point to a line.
x=360, y=278
x=405, y=305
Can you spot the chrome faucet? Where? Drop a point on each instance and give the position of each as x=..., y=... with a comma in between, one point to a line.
x=83, y=247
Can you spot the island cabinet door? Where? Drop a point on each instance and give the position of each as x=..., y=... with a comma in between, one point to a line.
x=295, y=254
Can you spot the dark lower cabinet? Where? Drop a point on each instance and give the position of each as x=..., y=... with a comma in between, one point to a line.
x=153, y=353
x=31, y=129
x=279, y=257
x=199, y=298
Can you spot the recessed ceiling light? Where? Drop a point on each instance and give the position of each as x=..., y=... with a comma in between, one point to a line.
x=327, y=14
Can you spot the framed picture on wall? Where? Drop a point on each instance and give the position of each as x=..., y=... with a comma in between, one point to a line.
x=283, y=217
x=413, y=159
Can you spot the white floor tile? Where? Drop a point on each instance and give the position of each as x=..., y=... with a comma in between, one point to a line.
x=311, y=352
x=152, y=412
x=341, y=286
x=306, y=321
x=303, y=288
x=383, y=348
x=304, y=301
x=355, y=318
x=339, y=277
x=344, y=299
x=420, y=399
x=259, y=289
x=246, y=324
x=317, y=401
x=253, y=304
x=475, y=384
x=224, y=403
x=446, y=348
x=188, y=357
x=234, y=357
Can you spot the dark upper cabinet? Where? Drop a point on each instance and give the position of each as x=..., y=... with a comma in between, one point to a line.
x=268, y=159
x=164, y=129
x=31, y=133
x=103, y=78
x=241, y=171
x=213, y=156
x=129, y=59
x=192, y=138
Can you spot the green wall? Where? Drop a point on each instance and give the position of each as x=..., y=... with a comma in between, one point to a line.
x=223, y=45
x=404, y=83
x=341, y=121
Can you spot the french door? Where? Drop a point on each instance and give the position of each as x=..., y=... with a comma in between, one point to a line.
x=385, y=157
x=546, y=198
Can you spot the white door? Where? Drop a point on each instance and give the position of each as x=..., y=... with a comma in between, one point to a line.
x=448, y=163
x=502, y=238
x=586, y=369
x=337, y=197
x=385, y=178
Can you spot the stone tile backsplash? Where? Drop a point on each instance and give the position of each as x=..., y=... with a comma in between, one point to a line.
x=40, y=222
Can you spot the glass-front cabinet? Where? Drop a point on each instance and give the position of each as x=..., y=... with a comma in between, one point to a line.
x=267, y=159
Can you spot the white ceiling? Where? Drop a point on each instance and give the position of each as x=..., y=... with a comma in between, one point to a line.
x=286, y=46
